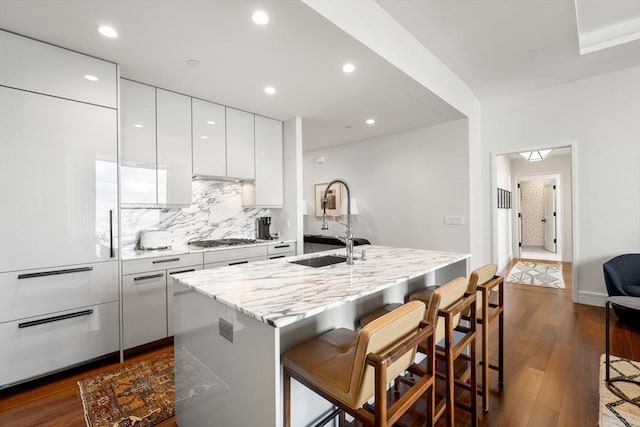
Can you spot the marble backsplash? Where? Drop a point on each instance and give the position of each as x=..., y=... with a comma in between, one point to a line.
x=216, y=213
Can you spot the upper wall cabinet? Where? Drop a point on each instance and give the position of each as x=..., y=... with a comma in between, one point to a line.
x=267, y=189
x=173, y=138
x=209, y=139
x=156, y=146
x=138, y=129
x=66, y=74
x=240, y=144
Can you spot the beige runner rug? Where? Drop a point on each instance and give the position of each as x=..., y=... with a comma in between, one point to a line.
x=537, y=274
x=614, y=411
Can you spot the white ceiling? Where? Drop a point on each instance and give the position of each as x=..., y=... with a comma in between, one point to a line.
x=497, y=47
x=299, y=52
x=501, y=48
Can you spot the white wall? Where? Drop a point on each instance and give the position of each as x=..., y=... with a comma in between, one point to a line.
x=503, y=216
x=601, y=116
x=560, y=165
x=404, y=184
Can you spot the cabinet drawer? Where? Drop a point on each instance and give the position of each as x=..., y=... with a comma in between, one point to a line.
x=39, y=345
x=280, y=248
x=144, y=307
x=232, y=262
x=33, y=292
x=175, y=289
x=236, y=254
x=135, y=266
x=43, y=68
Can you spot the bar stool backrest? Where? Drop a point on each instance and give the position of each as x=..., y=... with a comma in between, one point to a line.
x=481, y=276
x=380, y=336
x=444, y=297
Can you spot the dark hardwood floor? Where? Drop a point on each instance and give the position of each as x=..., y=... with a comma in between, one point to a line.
x=552, y=351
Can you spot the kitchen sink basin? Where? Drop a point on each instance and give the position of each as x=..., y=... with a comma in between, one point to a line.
x=321, y=261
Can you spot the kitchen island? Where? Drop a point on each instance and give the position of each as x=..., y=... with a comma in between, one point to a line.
x=232, y=324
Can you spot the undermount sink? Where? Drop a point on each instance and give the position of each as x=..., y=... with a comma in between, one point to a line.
x=321, y=261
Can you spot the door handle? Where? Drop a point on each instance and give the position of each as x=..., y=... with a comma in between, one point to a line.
x=544, y=220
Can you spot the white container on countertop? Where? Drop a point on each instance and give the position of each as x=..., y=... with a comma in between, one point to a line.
x=155, y=239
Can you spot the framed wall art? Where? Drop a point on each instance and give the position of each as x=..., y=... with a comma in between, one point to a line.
x=334, y=199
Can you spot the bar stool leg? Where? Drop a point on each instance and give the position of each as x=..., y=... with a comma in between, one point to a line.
x=286, y=385
x=606, y=340
x=485, y=351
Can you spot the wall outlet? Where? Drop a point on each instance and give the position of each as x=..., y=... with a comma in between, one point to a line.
x=226, y=329
x=454, y=220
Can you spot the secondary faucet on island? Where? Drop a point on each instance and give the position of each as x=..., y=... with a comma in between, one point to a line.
x=348, y=241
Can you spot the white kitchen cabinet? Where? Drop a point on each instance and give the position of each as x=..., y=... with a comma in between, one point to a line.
x=144, y=307
x=41, y=291
x=156, y=146
x=209, y=139
x=240, y=144
x=281, y=250
x=174, y=290
x=138, y=129
x=35, y=346
x=58, y=181
x=39, y=67
x=147, y=300
x=173, y=138
x=234, y=256
x=268, y=187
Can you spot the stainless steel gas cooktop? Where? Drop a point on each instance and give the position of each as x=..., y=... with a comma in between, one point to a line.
x=220, y=242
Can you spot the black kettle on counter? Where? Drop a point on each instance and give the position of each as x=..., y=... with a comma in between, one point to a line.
x=262, y=228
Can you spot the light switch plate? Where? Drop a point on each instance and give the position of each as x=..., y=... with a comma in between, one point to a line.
x=454, y=220
x=226, y=329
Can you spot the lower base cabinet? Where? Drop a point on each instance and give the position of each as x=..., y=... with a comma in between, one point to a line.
x=144, y=307
x=41, y=345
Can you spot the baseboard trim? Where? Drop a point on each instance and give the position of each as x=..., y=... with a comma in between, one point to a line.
x=592, y=298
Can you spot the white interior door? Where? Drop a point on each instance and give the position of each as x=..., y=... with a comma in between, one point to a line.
x=550, y=239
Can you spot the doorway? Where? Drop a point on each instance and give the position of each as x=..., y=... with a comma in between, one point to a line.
x=539, y=213
x=556, y=231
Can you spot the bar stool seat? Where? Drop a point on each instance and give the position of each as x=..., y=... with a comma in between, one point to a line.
x=347, y=368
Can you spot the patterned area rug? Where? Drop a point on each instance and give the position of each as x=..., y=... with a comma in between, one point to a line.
x=140, y=394
x=144, y=393
x=613, y=410
x=529, y=273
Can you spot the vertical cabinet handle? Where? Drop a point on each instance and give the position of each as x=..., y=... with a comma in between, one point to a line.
x=111, y=251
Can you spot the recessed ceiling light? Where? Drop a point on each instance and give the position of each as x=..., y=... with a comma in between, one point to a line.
x=211, y=122
x=370, y=121
x=91, y=78
x=107, y=31
x=138, y=125
x=269, y=90
x=348, y=68
x=204, y=137
x=193, y=62
x=260, y=17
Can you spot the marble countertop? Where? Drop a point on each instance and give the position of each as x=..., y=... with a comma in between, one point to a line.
x=280, y=293
x=129, y=254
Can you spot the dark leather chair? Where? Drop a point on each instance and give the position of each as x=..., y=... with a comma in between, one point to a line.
x=622, y=277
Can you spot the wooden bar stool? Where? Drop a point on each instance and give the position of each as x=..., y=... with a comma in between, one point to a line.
x=482, y=282
x=347, y=368
x=447, y=305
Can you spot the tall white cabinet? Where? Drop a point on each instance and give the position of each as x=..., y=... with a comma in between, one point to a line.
x=240, y=144
x=209, y=139
x=267, y=190
x=58, y=181
x=156, y=146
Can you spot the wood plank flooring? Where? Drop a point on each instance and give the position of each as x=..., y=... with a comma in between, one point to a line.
x=552, y=349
